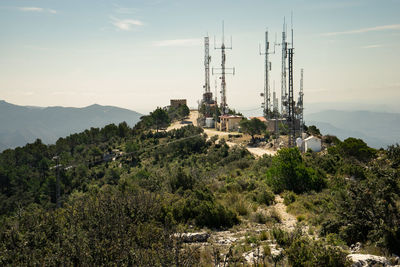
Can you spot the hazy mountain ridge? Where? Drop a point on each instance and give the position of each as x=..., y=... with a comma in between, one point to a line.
x=378, y=129
x=22, y=124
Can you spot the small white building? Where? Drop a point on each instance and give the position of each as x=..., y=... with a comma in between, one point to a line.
x=313, y=143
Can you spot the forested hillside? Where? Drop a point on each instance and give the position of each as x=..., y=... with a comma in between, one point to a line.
x=126, y=192
x=24, y=124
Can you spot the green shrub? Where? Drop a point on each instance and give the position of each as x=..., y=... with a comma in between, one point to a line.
x=259, y=217
x=289, y=197
x=353, y=148
x=288, y=172
x=265, y=196
x=300, y=218
x=306, y=252
x=281, y=237
x=263, y=236
x=201, y=207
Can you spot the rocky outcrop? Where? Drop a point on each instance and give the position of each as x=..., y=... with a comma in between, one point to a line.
x=364, y=260
x=198, y=237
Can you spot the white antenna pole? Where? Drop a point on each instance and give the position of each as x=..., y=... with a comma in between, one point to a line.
x=292, y=28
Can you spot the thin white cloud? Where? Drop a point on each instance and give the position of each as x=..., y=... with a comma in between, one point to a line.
x=37, y=9
x=34, y=9
x=178, y=42
x=126, y=24
x=372, y=46
x=364, y=30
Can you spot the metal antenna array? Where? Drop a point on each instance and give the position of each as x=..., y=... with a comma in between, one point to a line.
x=284, y=45
x=223, y=71
x=275, y=114
x=300, y=103
x=207, y=96
x=266, y=105
x=291, y=114
x=207, y=60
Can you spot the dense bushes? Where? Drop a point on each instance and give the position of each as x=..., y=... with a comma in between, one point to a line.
x=201, y=208
x=353, y=148
x=303, y=251
x=368, y=211
x=92, y=229
x=288, y=172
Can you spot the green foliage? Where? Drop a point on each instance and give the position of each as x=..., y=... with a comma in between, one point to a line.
x=393, y=153
x=92, y=229
x=368, y=210
x=352, y=170
x=264, y=195
x=125, y=211
x=201, y=207
x=353, y=148
x=159, y=118
x=330, y=140
x=178, y=113
x=288, y=172
x=252, y=127
x=289, y=197
x=306, y=252
x=283, y=128
x=303, y=251
x=313, y=130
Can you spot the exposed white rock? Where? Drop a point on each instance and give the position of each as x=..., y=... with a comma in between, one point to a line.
x=363, y=260
x=198, y=237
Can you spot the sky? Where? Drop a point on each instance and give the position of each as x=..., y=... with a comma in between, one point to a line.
x=138, y=54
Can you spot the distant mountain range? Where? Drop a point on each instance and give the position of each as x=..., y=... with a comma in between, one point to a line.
x=24, y=124
x=377, y=129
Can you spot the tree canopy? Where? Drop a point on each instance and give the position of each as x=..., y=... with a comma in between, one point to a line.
x=252, y=127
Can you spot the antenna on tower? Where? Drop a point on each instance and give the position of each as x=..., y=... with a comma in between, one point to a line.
x=291, y=114
x=207, y=95
x=300, y=102
x=291, y=22
x=284, y=44
x=223, y=71
x=266, y=105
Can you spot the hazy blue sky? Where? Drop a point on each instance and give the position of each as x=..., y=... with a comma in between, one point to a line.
x=139, y=54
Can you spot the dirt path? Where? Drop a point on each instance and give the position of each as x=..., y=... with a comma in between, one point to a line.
x=288, y=221
x=259, y=152
x=192, y=119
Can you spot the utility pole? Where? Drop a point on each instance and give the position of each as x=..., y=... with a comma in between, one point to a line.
x=266, y=105
x=223, y=71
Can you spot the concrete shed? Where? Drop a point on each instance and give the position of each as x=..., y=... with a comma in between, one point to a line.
x=313, y=143
x=229, y=123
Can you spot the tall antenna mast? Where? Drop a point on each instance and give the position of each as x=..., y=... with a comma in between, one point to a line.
x=283, y=73
x=291, y=111
x=291, y=21
x=207, y=95
x=300, y=103
x=223, y=71
x=267, y=92
x=207, y=60
x=275, y=114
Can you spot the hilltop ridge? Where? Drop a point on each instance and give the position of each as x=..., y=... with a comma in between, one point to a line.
x=24, y=124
